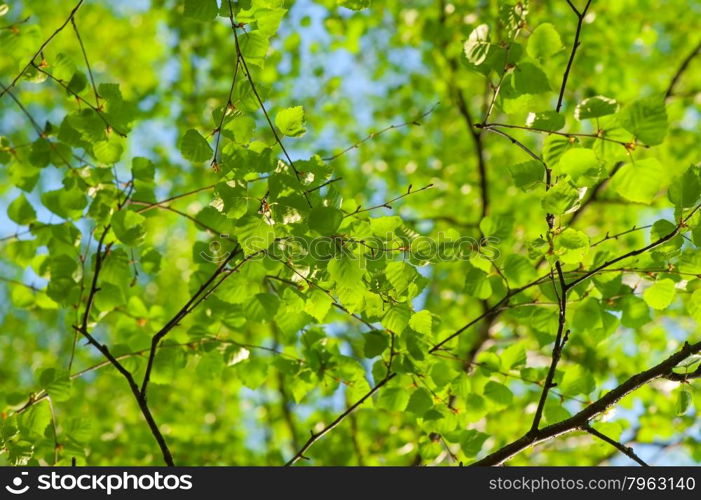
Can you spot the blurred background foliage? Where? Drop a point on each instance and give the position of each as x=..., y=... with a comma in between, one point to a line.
x=268, y=357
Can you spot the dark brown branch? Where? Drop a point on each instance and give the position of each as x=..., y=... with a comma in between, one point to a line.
x=140, y=399
x=618, y=235
x=594, y=194
x=42, y=394
x=479, y=151
x=99, y=256
x=330, y=181
x=521, y=145
x=184, y=311
x=598, y=407
x=680, y=71
x=41, y=48
x=575, y=46
x=83, y=329
x=560, y=341
x=626, y=450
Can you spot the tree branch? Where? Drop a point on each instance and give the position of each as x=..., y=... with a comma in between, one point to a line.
x=560, y=341
x=41, y=48
x=680, y=71
x=388, y=204
x=575, y=46
x=314, y=437
x=598, y=407
x=140, y=399
x=416, y=121
x=184, y=311
x=262, y=106
x=626, y=450
x=635, y=252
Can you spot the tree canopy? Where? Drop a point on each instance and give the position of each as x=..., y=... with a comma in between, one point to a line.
x=350, y=232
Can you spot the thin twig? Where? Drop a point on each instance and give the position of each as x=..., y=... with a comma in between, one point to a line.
x=388, y=204
x=680, y=71
x=626, y=450
x=416, y=121
x=87, y=62
x=262, y=107
x=41, y=48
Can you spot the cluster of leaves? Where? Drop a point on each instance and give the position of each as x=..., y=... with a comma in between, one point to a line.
x=207, y=254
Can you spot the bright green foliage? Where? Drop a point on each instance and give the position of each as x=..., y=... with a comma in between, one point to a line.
x=290, y=121
x=334, y=201
x=544, y=41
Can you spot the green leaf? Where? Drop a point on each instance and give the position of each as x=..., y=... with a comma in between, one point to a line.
x=580, y=162
x=529, y=78
x=471, y=442
x=400, y=275
x=545, y=120
x=646, y=119
x=396, y=318
x=420, y=402
x=577, y=380
x=421, y=322
x=325, y=220
x=143, y=169
x=639, y=181
x=574, y=244
x=513, y=356
x=109, y=151
x=34, y=422
x=562, y=198
x=202, y=10
x=290, y=121
x=544, y=41
x=345, y=270
x=660, y=294
x=194, y=147
x=477, y=45
x=476, y=283
x=318, y=304
x=384, y=227
x=375, y=343
x=56, y=383
x=528, y=174
x=518, y=270
x=684, y=400
x=21, y=211
x=254, y=234
x=128, y=226
x=67, y=203
x=393, y=399
x=684, y=191
x=594, y=107
x=498, y=393
x=354, y=4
